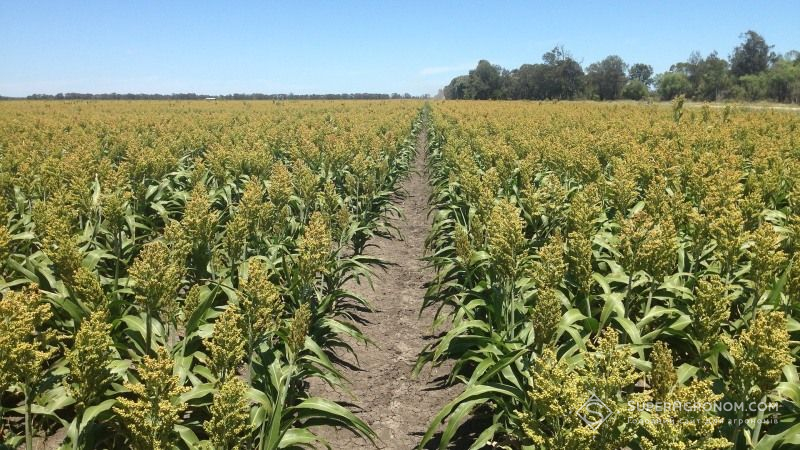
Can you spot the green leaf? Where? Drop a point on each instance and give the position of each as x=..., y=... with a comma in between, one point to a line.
x=198, y=392
x=485, y=437
x=187, y=435
x=298, y=437
x=790, y=436
x=320, y=407
x=93, y=411
x=471, y=393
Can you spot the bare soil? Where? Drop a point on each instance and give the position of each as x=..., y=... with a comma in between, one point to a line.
x=383, y=392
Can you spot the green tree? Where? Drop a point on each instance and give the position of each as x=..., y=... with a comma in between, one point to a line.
x=634, y=90
x=753, y=87
x=714, y=79
x=692, y=68
x=641, y=72
x=607, y=77
x=709, y=77
x=569, y=78
x=457, y=88
x=485, y=81
x=753, y=56
x=783, y=81
x=673, y=84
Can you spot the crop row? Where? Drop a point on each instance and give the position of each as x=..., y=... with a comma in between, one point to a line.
x=173, y=273
x=597, y=261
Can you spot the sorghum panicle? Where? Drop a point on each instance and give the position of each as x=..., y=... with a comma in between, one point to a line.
x=712, y=309
x=546, y=315
x=260, y=303
x=314, y=247
x=153, y=410
x=228, y=426
x=88, y=360
x=24, y=339
x=663, y=376
x=156, y=277
x=759, y=354
x=766, y=259
x=226, y=344
x=298, y=330
x=505, y=238
x=550, y=268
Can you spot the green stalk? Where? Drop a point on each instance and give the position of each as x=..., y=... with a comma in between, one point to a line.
x=148, y=331
x=273, y=438
x=588, y=305
x=78, y=420
x=628, y=288
x=737, y=427
x=28, y=423
x=118, y=256
x=512, y=318
x=759, y=418
x=250, y=351
x=649, y=300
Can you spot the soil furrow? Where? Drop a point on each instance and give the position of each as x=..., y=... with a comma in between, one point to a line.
x=382, y=391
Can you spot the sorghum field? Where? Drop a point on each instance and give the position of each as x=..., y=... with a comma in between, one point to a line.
x=593, y=276
x=634, y=253
x=173, y=273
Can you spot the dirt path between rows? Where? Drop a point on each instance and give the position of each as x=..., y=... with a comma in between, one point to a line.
x=384, y=394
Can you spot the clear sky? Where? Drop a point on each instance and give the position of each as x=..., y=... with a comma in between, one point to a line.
x=340, y=46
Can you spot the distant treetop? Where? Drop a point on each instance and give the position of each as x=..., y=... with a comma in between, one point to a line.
x=752, y=72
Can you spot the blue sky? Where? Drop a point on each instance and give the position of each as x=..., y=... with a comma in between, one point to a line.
x=386, y=46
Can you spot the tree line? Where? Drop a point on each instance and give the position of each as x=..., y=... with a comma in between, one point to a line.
x=193, y=96
x=753, y=71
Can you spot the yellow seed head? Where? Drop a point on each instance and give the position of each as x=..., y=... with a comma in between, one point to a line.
x=228, y=425
x=156, y=277
x=584, y=209
x=252, y=205
x=280, y=185
x=505, y=238
x=226, y=344
x=648, y=245
x=5, y=245
x=298, y=330
x=305, y=181
x=153, y=408
x=24, y=339
x=87, y=288
x=191, y=303
x=728, y=230
x=550, y=268
x=712, y=308
x=546, y=315
x=579, y=256
x=663, y=376
x=759, y=354
x=685, y=428
x=236, y=234
x=198, y=219
x=314, y=247
x=178, y=240
x=260, y=303
x=88, y=359
x=54, y=228
x=766, y=259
